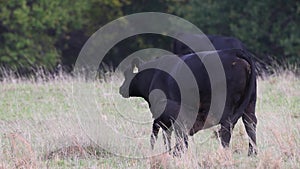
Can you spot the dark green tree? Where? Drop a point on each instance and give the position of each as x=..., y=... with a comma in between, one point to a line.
x=29, y=30
x=268, y=27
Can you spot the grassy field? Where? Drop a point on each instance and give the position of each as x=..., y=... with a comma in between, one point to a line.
x=68, y=123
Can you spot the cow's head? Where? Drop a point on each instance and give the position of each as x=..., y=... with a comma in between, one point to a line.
x=129, y=74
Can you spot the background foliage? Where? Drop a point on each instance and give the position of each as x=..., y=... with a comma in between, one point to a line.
x=44, y=33
x=30, y=29
x=268, y=27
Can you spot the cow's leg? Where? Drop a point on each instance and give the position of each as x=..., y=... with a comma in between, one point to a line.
x=186, y=141
x=225, y=132
x=181, y=141
x=226, y=126
x=167, y=138
x=155, y=130
x=250, y=122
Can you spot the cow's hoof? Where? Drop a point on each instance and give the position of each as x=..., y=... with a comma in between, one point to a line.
x=177, y=153
x=252, y=153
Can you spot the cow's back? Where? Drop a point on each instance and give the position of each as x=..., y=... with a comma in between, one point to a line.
x=205, y=43
x=237, y=74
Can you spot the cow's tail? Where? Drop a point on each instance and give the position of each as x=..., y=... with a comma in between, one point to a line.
x=239, y=111
x=261, y=66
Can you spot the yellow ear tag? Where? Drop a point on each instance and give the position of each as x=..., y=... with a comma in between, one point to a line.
x=135, y=69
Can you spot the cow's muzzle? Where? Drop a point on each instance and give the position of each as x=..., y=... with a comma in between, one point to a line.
x=124, y=92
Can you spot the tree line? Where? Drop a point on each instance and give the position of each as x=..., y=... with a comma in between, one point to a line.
x=42, y=33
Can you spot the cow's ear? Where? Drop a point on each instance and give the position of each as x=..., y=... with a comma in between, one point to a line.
x=135, y=69
x=135, y=65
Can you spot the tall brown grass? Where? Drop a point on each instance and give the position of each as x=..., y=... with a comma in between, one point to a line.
x=39, y=129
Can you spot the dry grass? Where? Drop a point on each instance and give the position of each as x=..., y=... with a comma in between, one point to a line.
x=53, y=125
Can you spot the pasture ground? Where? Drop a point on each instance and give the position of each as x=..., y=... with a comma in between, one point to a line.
x=40, y=128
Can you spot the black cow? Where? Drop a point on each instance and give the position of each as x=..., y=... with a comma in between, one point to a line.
x=240, y=98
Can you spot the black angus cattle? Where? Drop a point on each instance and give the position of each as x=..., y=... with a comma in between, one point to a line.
x=240, y=98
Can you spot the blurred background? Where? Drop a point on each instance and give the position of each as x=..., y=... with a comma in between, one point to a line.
x=41, y=118
x=48, y=35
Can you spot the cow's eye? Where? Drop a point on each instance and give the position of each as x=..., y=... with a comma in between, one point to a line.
x=127, y=73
